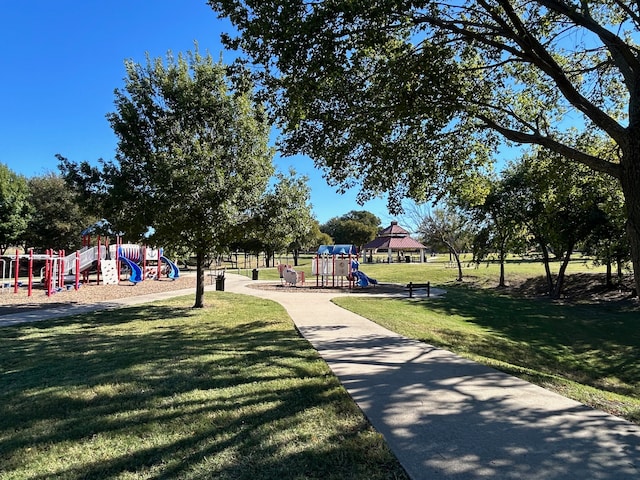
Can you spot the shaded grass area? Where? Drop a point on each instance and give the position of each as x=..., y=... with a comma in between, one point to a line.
x=166, y=391
x=587, y=352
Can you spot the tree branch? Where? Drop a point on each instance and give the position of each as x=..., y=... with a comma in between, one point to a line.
x=591, y=161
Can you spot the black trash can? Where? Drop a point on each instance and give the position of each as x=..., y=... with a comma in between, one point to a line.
x=220, y=283
x=254, y=273
x=407, y=259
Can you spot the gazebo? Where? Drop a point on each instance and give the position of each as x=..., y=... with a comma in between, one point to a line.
x=394, y=239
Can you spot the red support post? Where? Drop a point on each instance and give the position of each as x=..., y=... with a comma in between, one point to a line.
x=15, y=282
x=77, y=270
x=99, y=262
x=61, y=270
x=49, y=272
x=143, y=254
x=30, y=272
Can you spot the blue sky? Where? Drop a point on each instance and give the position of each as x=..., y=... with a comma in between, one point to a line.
x=62, y=60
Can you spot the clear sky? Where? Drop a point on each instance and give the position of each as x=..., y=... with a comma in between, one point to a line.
x=63, y=59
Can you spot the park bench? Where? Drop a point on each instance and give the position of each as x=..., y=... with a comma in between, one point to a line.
x=414, y=286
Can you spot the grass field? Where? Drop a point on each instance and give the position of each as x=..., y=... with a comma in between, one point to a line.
x=584, y=349
x=166, y=391
x=232, y=392
x=440, y=271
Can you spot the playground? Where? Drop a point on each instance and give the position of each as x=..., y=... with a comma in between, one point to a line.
x=330, y=268
x=98, y=272
x=89, y=293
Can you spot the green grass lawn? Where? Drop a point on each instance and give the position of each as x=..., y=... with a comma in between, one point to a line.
x=166, y=391
x=584, y=350
x=439, y=271
x=587, y=352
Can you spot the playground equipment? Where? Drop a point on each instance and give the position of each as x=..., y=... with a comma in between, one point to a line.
x=290, y=276
x=361, y=279
x=59, y=270
x=143, y=262
x=339, y=261
x=62, y=271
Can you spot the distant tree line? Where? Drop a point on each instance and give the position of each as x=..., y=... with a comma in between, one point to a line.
x=539, y=203
x=40, y=213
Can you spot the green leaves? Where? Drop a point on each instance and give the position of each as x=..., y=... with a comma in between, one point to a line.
x=191, y=155
x=15, y=209
x=351, y=88
x=356, y=228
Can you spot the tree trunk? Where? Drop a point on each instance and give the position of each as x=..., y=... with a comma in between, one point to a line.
x=557, y=289
x=609, y=281
x=502, y=258
x=296, y=253
x=630, y=182
x=547, y=268
x=199, y=303
x=619, y=263
x=457, y=257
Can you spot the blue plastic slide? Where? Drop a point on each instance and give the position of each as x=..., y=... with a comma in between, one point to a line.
x=136, y=271
x=174, y=271
x=363, y=280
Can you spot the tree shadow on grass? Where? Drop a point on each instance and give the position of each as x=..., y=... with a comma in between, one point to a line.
x=206, y=390
x=586, y=343
x=452, y=418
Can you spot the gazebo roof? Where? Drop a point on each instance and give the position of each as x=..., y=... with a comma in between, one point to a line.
x=394, y=243
x=394, y=230
x=394, y=237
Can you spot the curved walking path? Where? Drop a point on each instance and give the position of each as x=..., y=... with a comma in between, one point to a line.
x=443, y=416
x=446, y=417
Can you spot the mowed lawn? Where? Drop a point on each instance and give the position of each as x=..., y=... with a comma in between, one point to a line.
x=166, y=391
x=585, y=350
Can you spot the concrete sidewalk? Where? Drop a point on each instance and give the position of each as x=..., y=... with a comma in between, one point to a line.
x=446, y=417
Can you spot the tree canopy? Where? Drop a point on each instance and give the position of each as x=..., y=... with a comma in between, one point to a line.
x=560, y=208
x=192, y=156
x=15, y=209
x=283, y=219
x=409, y=97
x=58, y=215
x=356, y=228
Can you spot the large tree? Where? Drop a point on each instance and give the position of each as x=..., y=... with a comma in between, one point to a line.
x=416, y=92
x=608, y=243
x=15, y=209
x=58, y=216
x=356, y=227
x=560, y=207
x=192, y=156
x=496, y=216
x=447, y=226
x=283, y=216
